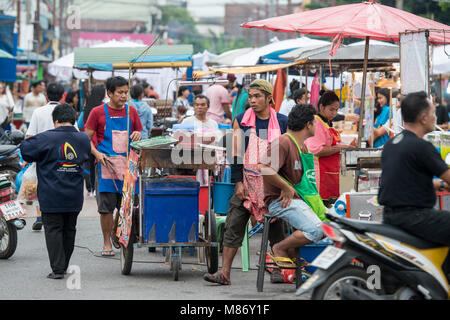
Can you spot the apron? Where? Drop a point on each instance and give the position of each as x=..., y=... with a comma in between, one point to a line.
x=329, y=167
x=114, y=146
x=307, y=188
x=253, y=180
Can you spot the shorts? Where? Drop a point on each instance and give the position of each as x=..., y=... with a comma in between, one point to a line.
x=107, y=201
x=236, y=222
x=300, y=216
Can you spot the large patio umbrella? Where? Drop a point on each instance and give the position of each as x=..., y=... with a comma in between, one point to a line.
x=367, y=20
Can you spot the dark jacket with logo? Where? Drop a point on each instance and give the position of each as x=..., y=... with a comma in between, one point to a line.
x=59, y=154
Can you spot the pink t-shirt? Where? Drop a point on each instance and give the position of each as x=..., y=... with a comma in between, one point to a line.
x=217, y=94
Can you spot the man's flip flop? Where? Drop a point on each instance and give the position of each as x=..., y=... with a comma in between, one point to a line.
x=217, y=277
x=108, y=253
x=283, y=262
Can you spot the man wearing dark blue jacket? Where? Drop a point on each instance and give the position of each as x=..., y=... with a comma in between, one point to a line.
x=59, y=155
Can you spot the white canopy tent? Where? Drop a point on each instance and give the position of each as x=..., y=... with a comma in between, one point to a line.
x=63, y=70
x=251, y=58
x=159, y=78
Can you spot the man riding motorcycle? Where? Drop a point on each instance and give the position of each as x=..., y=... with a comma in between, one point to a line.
x=409, y=163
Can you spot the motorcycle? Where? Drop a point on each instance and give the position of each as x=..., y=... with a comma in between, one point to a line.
x=10, y=219
x=9, y=156
x=375, y=261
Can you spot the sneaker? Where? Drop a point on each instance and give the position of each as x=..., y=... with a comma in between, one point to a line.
x=37, y=225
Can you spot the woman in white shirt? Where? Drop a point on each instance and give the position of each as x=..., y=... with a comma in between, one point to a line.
x=181, y=105
x=5, y=106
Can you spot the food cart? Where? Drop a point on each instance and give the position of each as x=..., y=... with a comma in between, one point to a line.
x=167, y=213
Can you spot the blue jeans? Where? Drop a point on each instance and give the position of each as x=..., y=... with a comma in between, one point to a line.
x=300, y=216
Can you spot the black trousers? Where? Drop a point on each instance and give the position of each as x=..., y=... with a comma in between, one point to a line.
x=60, y=231
x=430, y=224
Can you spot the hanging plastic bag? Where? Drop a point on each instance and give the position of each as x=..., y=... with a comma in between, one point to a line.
x=19, y=177
x=28, y=188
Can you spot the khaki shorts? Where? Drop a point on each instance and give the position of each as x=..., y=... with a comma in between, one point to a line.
x=236, y=222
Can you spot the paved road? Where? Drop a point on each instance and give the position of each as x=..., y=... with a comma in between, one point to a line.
x=23, y=276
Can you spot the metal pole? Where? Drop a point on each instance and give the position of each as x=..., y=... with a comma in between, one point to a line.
x=363, y=93
x=18, y=22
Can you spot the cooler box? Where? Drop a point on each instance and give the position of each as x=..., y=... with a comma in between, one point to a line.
x=310, y=251
x=170, y=212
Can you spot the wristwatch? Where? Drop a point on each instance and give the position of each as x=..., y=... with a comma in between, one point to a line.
x=441, y=188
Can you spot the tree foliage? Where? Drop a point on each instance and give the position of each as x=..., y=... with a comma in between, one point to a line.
x=182, y=27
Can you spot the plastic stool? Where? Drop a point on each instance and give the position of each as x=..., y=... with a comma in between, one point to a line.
x=245, y=252
x=262, y=258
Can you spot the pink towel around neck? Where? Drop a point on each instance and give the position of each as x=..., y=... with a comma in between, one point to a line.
x=274, y=131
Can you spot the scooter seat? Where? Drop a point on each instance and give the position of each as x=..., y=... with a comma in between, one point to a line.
x=7, y=149
x=389, y=231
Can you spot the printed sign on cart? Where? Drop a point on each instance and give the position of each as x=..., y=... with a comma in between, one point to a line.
x=12, y=210
x=126, y=211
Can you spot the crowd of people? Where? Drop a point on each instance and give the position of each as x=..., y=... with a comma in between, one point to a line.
x=271, y=152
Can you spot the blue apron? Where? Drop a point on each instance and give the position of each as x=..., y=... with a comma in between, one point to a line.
x=114, y=146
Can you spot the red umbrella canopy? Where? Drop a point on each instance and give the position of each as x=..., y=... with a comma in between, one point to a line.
x=366, y=19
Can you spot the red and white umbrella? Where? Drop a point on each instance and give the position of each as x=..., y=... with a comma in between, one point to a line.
x=367, y=20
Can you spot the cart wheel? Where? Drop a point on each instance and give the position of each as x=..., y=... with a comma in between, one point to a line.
x=175, y=267
x=126, y=255
x=212, y=254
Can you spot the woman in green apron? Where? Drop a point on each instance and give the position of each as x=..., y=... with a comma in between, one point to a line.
x=290, y=186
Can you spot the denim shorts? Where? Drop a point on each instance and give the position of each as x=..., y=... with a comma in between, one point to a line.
x=300, y=216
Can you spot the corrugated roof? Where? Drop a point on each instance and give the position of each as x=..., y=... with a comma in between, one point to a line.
x=164, y=53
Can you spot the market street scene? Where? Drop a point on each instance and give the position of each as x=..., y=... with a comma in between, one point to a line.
x=243, y=151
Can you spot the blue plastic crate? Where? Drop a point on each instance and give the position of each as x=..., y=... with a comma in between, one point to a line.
x=170, y=212
x=310, y=251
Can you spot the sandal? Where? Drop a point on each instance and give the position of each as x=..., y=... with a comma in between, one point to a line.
x=108, y=253
x=283, y=262
x=217, y=277
x=276, y=277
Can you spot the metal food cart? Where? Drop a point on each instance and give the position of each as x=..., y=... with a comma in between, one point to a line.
x=164, y=224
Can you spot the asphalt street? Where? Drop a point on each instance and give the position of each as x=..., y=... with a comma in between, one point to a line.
x=23, y=276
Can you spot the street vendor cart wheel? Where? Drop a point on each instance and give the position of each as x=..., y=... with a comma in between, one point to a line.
x=175, y=266
x=211, y=253
x=126, y=255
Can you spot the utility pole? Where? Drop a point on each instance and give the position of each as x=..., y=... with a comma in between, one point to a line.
x=399, y=4
x=61, y=27
x=18, y=22
x=37, y=24
x=54, y=29
x=333, y=3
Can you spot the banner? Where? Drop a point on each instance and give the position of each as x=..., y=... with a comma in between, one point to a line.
x=414, y=62
x=125, y=222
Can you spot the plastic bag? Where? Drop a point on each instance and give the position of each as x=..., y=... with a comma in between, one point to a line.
x=28, y=188
x=19, y=176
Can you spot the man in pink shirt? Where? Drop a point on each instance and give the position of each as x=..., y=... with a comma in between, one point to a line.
x=219, y=103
